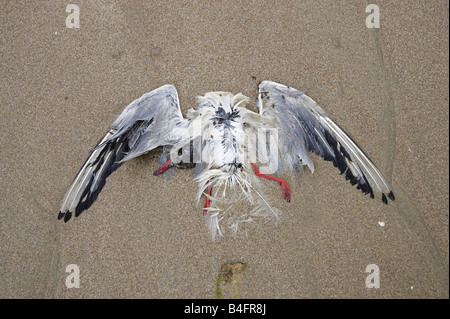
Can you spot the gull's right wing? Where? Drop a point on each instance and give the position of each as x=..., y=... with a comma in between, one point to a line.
x=152, y=120
x=305, y=127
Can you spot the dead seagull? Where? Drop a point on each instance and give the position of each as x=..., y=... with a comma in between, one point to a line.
x=230, y=147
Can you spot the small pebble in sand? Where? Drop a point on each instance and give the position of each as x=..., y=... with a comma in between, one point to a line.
x=382, y=224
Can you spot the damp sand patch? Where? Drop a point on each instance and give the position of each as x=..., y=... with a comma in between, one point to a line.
x=230, y=276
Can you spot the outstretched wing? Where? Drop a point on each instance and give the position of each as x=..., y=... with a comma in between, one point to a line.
x=152, y=120
x=304, y=126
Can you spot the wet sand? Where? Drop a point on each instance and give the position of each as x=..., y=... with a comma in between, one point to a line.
x=145, y=237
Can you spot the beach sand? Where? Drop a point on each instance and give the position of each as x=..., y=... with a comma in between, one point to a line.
x=145, y=236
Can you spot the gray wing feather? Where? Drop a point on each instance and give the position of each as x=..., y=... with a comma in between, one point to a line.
x=152, y=120
x=306, y=127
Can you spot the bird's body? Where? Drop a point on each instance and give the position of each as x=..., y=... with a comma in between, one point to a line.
x=224, y=141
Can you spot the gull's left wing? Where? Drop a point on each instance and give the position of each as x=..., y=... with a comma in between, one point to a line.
x=150, y=121
x=304, y=126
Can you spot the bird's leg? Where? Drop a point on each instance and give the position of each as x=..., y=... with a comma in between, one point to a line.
x=282, y=182
x=163, y=168
x=207, y=202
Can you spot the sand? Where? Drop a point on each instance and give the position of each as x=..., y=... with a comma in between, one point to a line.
x=145, y=237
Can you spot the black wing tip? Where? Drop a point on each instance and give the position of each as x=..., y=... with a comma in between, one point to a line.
x=67, y=216
x=78, y=211
x=391, y=195
x=385, y=199
x=88, y=196
x=364, y=186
